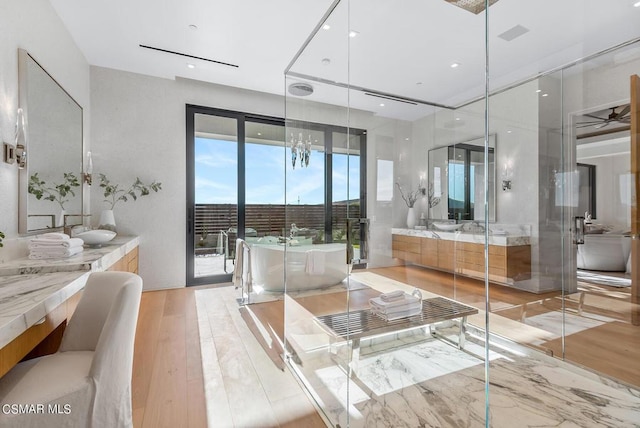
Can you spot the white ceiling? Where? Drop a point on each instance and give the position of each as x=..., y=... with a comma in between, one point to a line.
x=403, y=47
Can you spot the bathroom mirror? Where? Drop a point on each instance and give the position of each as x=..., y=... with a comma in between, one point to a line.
x=53, y=130
x=456, y=175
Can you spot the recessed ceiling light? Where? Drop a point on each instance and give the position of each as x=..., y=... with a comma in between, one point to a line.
x=193, y=27
x=509, y=132
x=545, y=95
x=636, y=4
x=538, y=91
x=455, y=65
x=326, y=61
x=191, y=65
x=457, y=118
x=381, y=104
x=353, y=33
x=259, y=133
x=418, y=83
x=406, y=139
x=326, y=27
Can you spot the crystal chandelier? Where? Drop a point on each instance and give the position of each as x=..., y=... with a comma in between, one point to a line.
x=301, y=150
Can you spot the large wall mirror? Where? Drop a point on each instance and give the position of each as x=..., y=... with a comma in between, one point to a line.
x=456, y=175
x=53, y=128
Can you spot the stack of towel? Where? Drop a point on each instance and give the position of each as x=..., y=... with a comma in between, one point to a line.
x=395, y=305
x=54, y=246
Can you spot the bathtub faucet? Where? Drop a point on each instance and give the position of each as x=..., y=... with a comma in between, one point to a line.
x=294, y=230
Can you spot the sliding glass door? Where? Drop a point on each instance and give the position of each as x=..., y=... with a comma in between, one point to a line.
x=236, y=187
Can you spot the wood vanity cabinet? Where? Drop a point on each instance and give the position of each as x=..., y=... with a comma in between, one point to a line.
x=506, y=263
x=128, y=263
x=40, y=339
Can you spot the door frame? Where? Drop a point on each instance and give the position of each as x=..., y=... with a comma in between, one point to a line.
x=241, y=119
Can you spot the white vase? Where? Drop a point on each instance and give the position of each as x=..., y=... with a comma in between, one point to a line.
x=107, y=220
x=60, y=218
x=411, y=219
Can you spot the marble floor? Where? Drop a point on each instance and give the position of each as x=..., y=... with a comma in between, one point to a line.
x=244, y=385
x=399, y=380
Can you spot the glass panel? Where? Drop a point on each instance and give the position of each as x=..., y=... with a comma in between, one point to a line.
x=264, y=181
x=216, y=203
x=492, y=230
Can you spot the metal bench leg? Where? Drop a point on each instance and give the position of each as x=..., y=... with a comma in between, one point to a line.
x=463, y=332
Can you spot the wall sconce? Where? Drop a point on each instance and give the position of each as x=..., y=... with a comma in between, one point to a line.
x=17, y=152
x=421, y=188
x=88, y=171
x=21, y=140
x=507, y=176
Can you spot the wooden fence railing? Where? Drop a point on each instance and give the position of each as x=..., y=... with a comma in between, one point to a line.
x=268, y=219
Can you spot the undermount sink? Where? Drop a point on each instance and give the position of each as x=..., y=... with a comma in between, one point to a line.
x=96, y=237
x=447, y=226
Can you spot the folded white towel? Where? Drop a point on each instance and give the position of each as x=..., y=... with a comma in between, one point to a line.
x=407, y=299
x=237, y=272
x=56, y=236
x=315, y=262
x=242, y=270
x=398, y=315
x=52, y=243
x=391, y=296
x=396, y=309
x=39, y=254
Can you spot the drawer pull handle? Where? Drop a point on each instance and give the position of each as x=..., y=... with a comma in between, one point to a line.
x=41, y=321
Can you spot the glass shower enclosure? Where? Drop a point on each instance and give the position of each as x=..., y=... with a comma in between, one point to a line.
x=442, y=283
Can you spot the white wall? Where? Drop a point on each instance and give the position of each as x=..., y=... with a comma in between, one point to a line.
x=138, y=129
x=34, y=26
x=612, y=208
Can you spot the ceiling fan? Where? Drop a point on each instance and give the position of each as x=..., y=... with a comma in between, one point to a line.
x=622, y=116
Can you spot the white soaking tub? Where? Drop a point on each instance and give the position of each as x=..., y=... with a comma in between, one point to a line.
x=267, y=265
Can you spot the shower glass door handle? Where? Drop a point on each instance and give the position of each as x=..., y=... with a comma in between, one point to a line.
x=358, y=227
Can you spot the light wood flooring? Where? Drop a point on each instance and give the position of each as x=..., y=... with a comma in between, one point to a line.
x=168, y=385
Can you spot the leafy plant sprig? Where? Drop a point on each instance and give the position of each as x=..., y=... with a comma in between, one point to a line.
x=60, y=193
x=433, y=201
x=411, y=197
x=113, y=193
x=1, y=238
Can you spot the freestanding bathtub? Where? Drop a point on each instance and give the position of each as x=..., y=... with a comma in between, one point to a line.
x=267, y=262
x=606, y=252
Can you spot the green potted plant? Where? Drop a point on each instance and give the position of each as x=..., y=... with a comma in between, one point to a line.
x=114, y=193
x=60, y=193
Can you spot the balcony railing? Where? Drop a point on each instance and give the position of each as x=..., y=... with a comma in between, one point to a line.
x=269, y=220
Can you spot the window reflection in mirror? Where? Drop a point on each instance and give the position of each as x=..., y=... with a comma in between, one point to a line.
x=457, y=175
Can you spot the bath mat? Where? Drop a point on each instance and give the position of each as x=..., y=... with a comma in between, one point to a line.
x=598, y=278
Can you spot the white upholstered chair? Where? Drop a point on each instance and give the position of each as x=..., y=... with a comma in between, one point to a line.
x=87, y=383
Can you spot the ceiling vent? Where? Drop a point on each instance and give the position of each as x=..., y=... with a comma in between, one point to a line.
x=473, y=6
x=513, y=32
x=300, y=89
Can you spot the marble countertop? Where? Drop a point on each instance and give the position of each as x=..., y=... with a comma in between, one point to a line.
x=30, y=289
x=26, y=299
x=507, y=240
x=91, y=259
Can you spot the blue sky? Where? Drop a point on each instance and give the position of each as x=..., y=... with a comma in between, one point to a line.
x=216, y=170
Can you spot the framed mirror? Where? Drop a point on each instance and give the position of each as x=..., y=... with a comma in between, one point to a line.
x=51, y=182
x=456, y=174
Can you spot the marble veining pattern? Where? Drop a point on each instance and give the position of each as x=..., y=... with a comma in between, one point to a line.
x=477, y=238
x=409, y=383
x=91, y=259
x=26, y=299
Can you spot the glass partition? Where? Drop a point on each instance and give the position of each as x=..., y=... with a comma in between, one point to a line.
x=453, y=195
